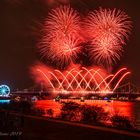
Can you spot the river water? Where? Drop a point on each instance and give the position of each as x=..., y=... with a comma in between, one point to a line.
x=129, y=109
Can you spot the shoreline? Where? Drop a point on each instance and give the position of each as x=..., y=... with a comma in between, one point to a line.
x=36, y=127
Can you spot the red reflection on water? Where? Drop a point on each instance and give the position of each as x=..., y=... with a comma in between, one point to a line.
x=113, y=107
x=49, y=104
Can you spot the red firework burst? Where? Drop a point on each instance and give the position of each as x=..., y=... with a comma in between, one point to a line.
x=61, y=41
x=107, y=29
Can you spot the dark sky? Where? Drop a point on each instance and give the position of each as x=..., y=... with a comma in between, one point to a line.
x=20, y=31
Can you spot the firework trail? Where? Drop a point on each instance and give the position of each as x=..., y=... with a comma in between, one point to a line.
x=61, y=41
x=107, y=29
x=77, y=80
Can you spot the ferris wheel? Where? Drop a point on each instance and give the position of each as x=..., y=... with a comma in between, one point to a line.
x=4, y=90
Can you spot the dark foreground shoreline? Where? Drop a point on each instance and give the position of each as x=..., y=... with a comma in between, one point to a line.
x=41, y=128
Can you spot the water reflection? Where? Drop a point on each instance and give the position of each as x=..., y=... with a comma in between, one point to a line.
x=4, y=101
x=129, y=109
x=49, y=104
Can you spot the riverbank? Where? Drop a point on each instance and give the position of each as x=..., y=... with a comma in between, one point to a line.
x=129, y=109
x=35, y=128
x=21, y=118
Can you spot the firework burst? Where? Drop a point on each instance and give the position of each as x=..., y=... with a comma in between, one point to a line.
x=61, y=41
x=107, y=29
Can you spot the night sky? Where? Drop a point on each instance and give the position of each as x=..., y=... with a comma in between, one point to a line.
x=20, y=25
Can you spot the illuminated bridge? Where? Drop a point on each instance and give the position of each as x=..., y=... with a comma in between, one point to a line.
x=125, y=90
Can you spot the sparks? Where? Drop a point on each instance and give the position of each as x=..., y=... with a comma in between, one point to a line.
x=107, y=30
x=61, y=41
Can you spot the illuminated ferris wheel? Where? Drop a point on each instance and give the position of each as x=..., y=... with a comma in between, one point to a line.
x=4, y=90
